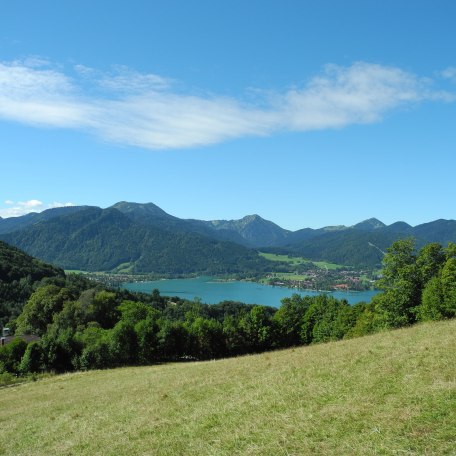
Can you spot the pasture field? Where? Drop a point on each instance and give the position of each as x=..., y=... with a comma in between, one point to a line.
x=392, y=393
x=296, y=261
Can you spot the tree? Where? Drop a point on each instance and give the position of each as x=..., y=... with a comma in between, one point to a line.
x=61, y=349
x=71, y=316
x=134, y=311
x=400, y=257
x=365, y=321
x=450, y=251
x=40, y=309
x=96, y=352
x=207, y=336
x=449, y=288
x=172, y=339
x=147, y=336
x=103, y=309
x=123, y=343
x=258, y=329
x=432, y=300
x=289, y=319
x=32, y=361
x=402, y=282
x=326, y=319
x=11, y=355
x=233, y=336
x=429, y=261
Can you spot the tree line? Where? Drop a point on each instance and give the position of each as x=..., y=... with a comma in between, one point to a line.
x=84, y=326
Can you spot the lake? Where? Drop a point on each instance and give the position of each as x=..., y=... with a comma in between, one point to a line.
x=212, y=291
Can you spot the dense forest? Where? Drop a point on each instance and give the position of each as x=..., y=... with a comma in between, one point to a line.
x=20, y=276
x=82, y=325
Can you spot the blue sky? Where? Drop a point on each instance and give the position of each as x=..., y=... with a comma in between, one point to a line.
x=309, y=113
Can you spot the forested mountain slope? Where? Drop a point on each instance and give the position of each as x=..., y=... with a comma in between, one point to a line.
x=10, y=224
x=144, y=238
x=363, y=245
x=95, y=239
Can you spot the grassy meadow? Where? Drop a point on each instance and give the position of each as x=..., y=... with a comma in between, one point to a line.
x=296, y=261
x=393, y=393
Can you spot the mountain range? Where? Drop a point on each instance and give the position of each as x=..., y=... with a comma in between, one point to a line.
x=140, y=238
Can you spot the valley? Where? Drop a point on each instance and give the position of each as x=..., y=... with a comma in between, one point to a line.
x=227, y=228
x=135, y=239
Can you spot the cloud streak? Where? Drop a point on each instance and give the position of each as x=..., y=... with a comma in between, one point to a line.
x=449, y=73
x=18, y=208
x=145, y=110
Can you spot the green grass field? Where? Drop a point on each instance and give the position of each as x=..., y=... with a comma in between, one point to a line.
x=296, y=261
x=392, y=393
x=286, y=276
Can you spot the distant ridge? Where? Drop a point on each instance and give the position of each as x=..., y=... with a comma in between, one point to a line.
x=142, y=237
x=95, y=239
x=10, y=224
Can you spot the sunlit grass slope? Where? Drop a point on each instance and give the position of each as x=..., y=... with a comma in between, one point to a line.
x=393, y=393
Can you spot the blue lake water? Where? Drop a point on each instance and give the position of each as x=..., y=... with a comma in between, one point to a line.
x=211, y=291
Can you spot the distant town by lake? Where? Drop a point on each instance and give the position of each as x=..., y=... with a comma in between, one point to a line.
x=213, y=291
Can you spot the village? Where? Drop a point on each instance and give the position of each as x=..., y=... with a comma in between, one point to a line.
x=325, y=279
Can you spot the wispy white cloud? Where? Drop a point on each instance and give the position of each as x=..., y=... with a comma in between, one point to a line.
x=18, y=208
x=84, y=70
x=145, y=110
x=40, y=96
x=449, y=73
x=36, y=61
x=123, y=79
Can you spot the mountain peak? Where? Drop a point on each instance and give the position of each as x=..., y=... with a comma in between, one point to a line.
x=399, y=226
x=369, y=224
x=252, y=218
x=139, y=209
x=257, y=231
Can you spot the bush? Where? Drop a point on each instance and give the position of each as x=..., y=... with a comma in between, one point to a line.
x=32, y=361
x=11, y=355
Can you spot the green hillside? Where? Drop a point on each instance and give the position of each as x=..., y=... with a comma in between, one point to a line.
x=387, y=394
x=20, y=274
x=94, y=239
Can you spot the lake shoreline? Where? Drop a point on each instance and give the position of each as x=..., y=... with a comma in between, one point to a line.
x=212, y=291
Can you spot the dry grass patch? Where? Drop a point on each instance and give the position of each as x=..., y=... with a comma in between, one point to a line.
x=389, y=394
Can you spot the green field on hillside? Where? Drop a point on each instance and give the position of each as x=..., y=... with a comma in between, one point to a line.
x=285, y=276
x=296, y=261
x=393, y=393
